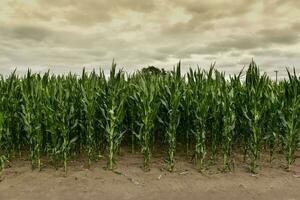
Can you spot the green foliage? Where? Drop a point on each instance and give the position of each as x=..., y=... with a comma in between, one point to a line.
x=148, y=104
x=171, y=99
x=62, y=117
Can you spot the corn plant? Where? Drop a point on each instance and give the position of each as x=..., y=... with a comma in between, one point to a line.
x=31, y=118
x=171, y=101
x=214, y=118
x=113, y=112
x=229, y=125
x=200, y=113
x=149, y=104
x=272, y=126
x=290, y=119
x=186, y=110
x=133, y=115
x=68, y=122
x=256, y=107
x=88, y=88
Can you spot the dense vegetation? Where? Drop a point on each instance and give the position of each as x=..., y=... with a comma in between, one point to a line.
x=60, y=117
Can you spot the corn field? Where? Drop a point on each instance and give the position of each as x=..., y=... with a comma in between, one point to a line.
x=200, y=113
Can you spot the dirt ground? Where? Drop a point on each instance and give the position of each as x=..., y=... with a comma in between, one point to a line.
x=129, y=181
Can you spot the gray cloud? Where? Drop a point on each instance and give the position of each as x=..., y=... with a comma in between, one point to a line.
x=205, y=14
x=215, y=9
x=273, y=53
x=264, y=38
x=80, y=13
x=70, y=34
x=30, y=32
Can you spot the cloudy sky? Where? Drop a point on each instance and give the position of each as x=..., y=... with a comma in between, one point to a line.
x=66, y=35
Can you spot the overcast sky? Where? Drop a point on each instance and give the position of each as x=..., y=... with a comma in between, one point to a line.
x=66, y=35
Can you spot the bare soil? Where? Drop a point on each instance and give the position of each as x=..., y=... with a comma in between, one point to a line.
x=129, y=181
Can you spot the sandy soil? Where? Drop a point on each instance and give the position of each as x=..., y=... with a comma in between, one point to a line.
x=128, y=181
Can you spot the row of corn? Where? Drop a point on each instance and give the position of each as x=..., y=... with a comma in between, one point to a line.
x=203, y=113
